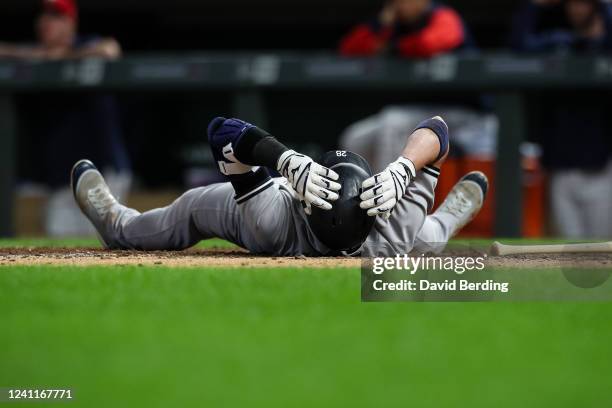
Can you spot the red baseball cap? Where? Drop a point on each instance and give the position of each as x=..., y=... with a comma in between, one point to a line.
x=64, y=7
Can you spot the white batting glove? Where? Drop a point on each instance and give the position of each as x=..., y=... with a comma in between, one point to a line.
x=312, y=182
x=383, y=191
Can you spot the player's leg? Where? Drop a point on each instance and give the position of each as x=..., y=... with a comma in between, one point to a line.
x=201, y=213
x=261, y=222
x=460, y=206
x=198, y=214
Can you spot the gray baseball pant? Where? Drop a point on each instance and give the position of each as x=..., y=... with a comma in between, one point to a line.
x=272, y=222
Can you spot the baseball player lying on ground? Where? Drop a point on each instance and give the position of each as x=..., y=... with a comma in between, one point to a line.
x=331, y=208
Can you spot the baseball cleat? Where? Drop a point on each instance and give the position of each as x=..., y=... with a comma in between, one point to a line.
x=466, y=199
x=93, y=197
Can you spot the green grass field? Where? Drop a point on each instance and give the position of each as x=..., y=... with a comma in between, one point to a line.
x=162, y=337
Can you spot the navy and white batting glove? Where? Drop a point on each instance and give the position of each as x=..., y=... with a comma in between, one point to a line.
x=383, y=191
x=313, y=183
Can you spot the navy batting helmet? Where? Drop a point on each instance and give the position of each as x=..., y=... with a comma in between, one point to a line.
x=346, y=226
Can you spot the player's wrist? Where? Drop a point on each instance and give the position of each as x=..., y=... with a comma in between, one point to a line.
x=438, y=126
x=408, y=165
x=258, y=147
x=283, y=159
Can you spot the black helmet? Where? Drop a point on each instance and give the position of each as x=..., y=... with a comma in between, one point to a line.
x=346, y=226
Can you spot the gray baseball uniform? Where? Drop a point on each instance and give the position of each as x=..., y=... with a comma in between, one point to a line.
x=271, y=221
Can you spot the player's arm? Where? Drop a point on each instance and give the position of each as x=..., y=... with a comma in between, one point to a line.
x=252, y=146
x=314, y=183
x=427, y=145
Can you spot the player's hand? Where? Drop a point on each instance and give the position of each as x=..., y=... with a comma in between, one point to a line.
x=313, y=183
x=383, y=191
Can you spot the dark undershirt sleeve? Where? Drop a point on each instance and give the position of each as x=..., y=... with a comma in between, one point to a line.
x=258, y=148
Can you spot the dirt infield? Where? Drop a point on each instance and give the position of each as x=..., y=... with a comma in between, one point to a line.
x=193, y=258
x=239, y=258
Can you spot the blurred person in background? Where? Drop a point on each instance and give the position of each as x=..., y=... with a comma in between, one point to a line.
x=563, y=26
x=58, y=37
x=574, y=128
x=65, y=127
x=408, y=28
x=415, y=29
